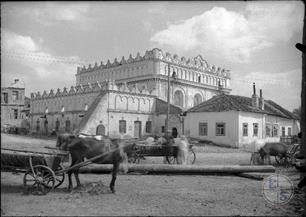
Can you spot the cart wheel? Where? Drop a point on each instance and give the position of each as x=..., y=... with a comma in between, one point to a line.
x=191, y=158
x=279, y=160
x=171, y=159
x=59, y=177
x=41, y=182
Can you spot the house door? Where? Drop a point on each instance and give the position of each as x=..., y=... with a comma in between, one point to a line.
x=100, y=130
x=137, y=129
x=67, y=126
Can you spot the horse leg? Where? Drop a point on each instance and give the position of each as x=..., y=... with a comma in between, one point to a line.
x=70, y=180
x=114, y=176
x=76, y=175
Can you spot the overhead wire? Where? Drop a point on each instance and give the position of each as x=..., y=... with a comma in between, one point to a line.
x=82, y=62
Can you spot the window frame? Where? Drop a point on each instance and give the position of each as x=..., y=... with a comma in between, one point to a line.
x=5, y=98
x=255, y=126
x=218, y=127
x=122, y=128
x=148, y=126
x=245, y=129
x=289, y=130
x=15, y=95
x=269, y=126
x=283, y=129
x=204, y=126
x=275, y=128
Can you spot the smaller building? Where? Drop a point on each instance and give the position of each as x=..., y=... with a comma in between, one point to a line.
x=13, y=109
x=239, y=121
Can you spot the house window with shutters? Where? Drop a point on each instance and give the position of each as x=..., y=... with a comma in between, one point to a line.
x=122, y=126
x=202, y=129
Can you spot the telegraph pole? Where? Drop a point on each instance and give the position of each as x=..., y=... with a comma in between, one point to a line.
x=168, y=103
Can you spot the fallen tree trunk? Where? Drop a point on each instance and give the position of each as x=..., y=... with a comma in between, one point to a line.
x=178, y=169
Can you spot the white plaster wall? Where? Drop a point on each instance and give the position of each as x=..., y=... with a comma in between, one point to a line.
x=192, y=120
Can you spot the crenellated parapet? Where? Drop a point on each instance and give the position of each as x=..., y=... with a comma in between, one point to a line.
x=109, y=85
x=197, y=63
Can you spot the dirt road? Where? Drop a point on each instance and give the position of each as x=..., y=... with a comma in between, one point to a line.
x=153, y=194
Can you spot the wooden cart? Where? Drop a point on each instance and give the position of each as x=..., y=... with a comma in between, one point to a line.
x=43, y=170
x=142, y=150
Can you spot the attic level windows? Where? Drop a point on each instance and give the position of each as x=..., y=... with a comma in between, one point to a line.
x=4, y=98
x=15, y=95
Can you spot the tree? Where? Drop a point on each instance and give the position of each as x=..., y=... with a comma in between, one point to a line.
x=297, y=112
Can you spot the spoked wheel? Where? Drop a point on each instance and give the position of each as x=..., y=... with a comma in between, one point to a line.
x=59, y=177
x=171, y=159
x=41, y=181
x=191, y=158
x=280, y=160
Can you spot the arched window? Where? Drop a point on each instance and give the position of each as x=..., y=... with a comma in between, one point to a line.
x=179, y=98
x=197, y=99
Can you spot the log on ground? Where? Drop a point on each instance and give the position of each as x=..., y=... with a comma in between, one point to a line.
x=179, y=169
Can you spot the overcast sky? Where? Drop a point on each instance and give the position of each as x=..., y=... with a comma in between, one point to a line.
x=42, y=43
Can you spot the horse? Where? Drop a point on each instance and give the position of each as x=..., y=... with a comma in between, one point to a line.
x=115, y=151
x=273, y=149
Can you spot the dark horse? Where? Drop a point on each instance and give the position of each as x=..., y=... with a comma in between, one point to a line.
x=115, y=151
x=279, y=150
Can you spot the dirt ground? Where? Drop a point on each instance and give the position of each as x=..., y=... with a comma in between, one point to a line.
x=154, y=194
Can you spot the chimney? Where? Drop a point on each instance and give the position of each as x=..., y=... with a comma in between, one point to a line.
x=254, y=97
x=261, y=101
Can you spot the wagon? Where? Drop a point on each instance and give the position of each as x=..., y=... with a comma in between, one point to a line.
x=142, y=150
x=43, y=170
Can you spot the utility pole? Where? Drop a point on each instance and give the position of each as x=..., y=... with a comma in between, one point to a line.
x=168, y=103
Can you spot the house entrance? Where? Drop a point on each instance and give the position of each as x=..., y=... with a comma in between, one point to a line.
x=100, y=130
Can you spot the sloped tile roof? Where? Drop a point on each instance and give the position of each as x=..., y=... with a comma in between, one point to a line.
x=161, y=107
x=223, y=102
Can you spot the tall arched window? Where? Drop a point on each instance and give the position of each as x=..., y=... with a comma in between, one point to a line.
x=197, y=99
x=179, y=98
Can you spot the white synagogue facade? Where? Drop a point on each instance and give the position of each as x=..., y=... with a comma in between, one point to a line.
x=127, y=98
